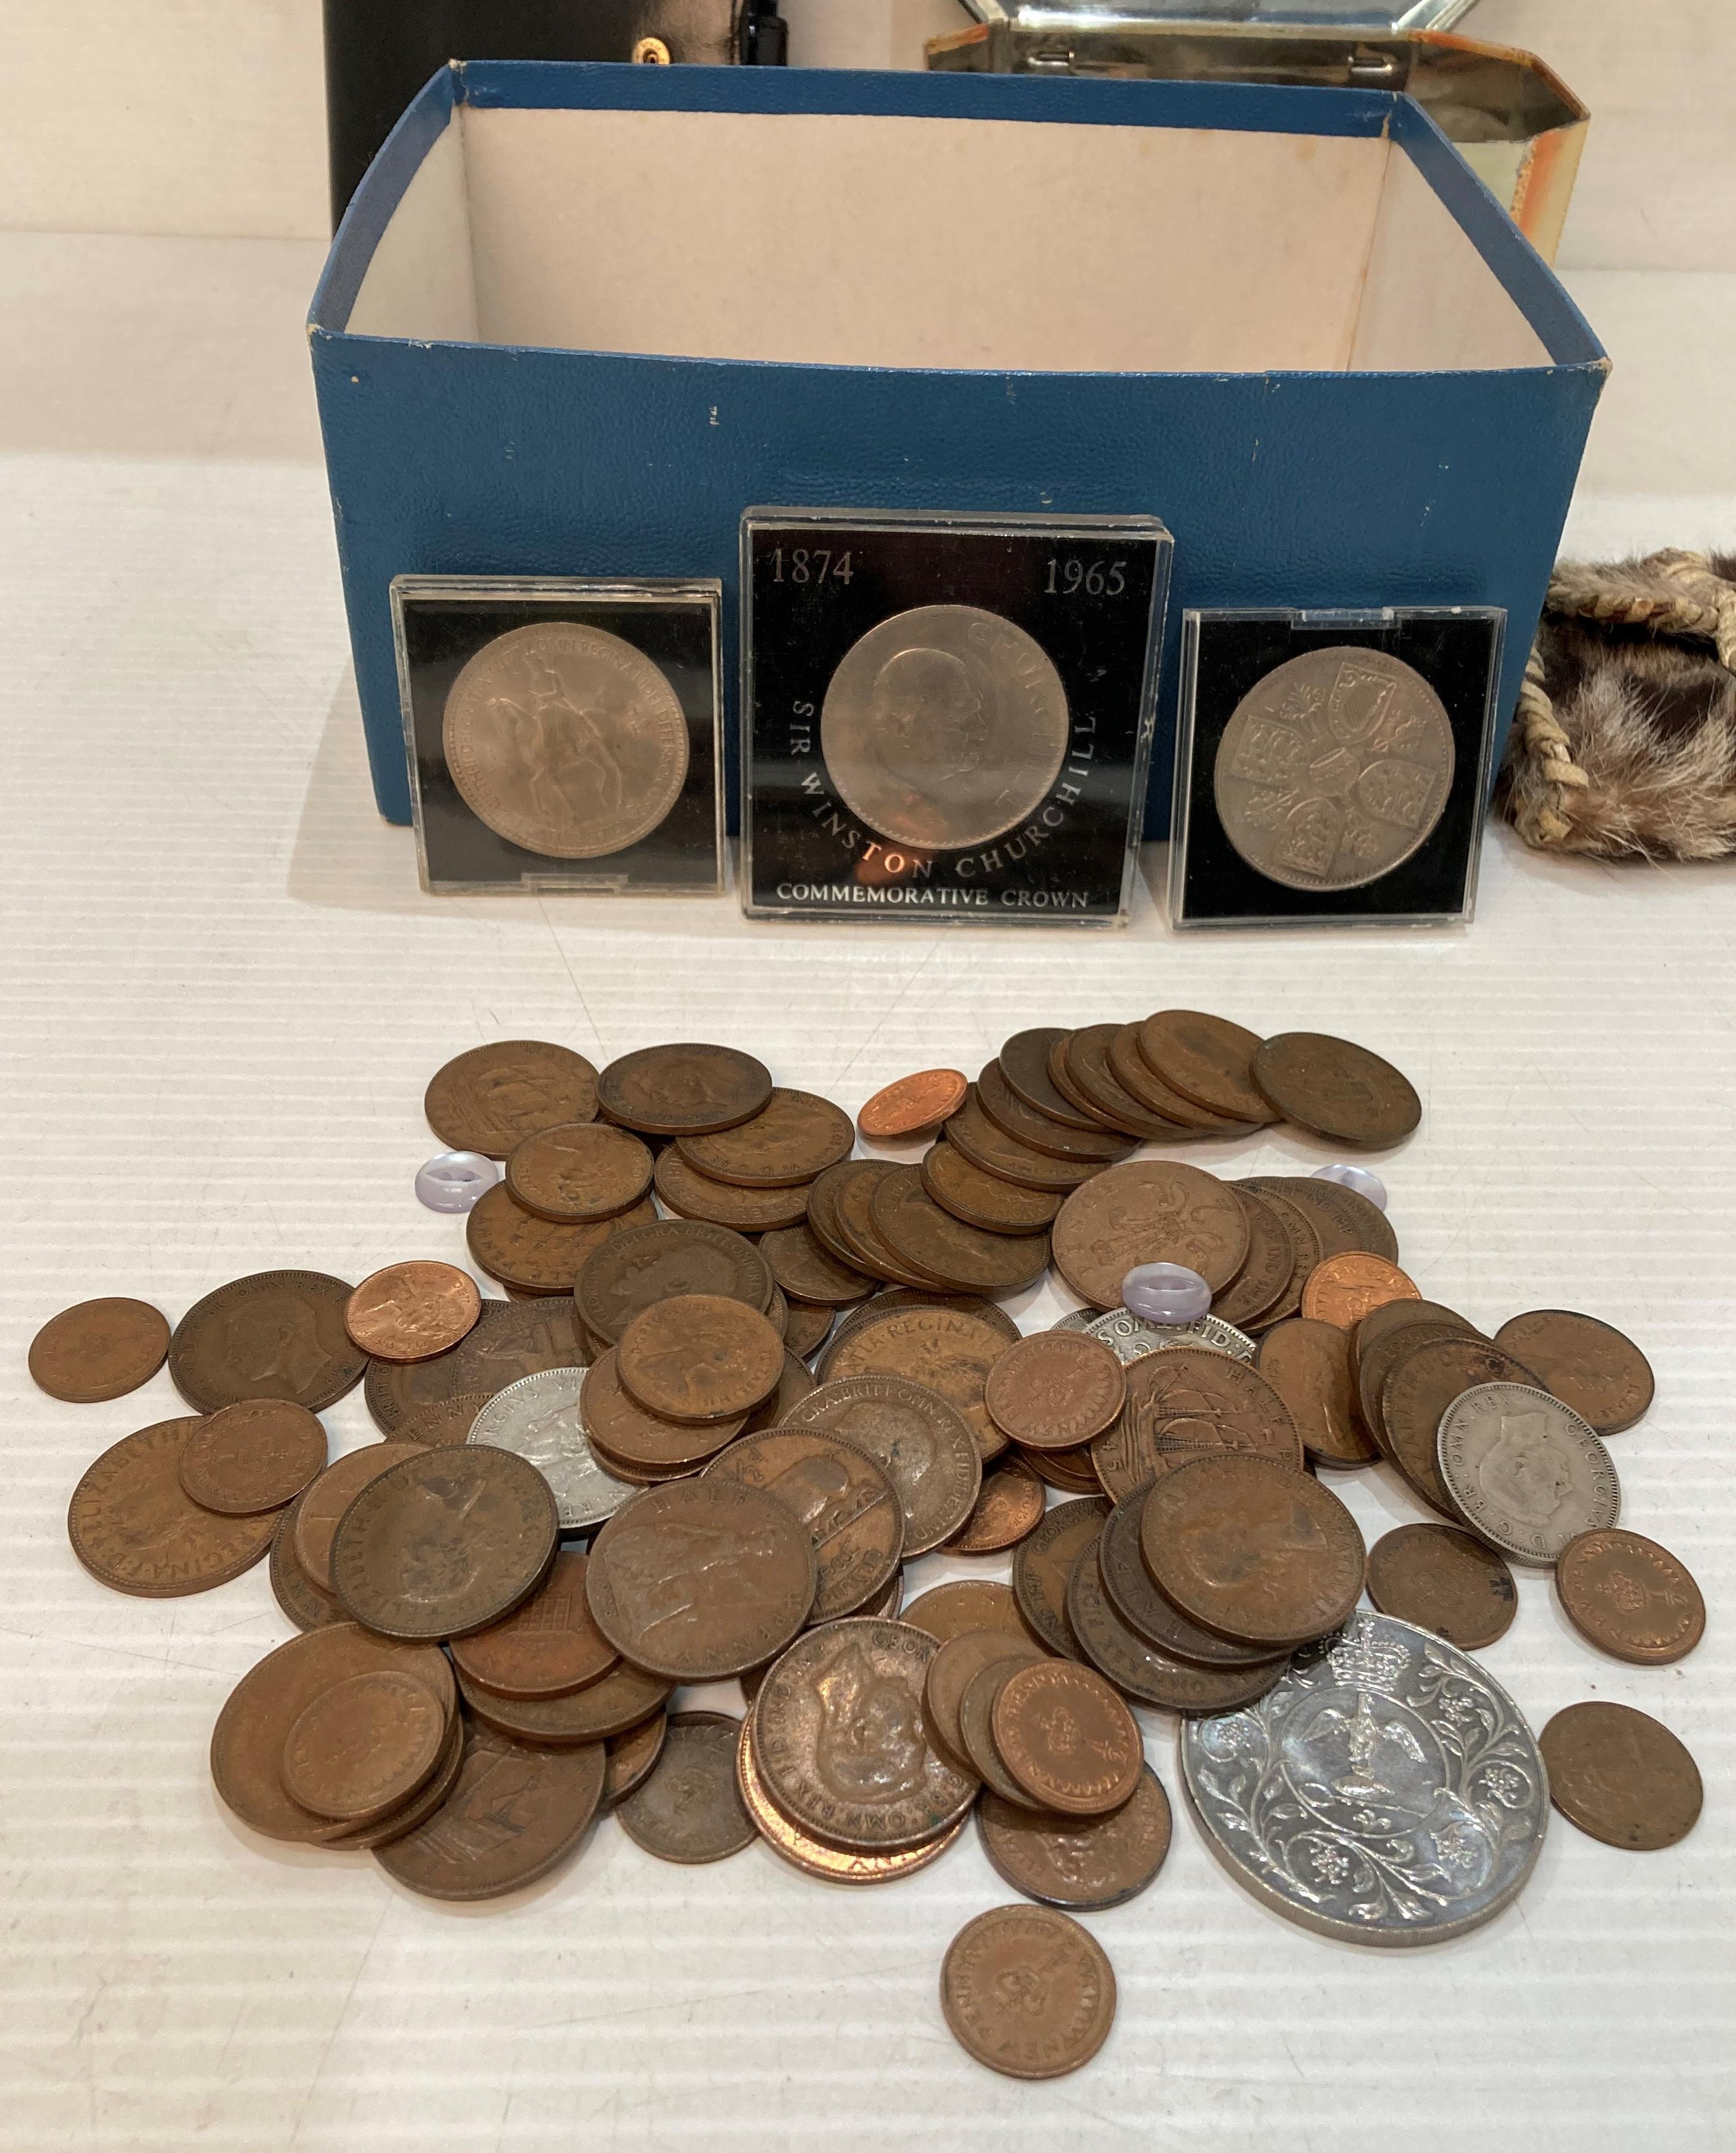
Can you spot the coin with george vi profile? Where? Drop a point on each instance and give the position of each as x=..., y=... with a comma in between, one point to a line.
x=946, y=715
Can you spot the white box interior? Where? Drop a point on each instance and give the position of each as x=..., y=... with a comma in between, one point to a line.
x=870, y=240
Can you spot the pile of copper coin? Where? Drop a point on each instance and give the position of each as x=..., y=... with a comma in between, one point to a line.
x=743, y=1378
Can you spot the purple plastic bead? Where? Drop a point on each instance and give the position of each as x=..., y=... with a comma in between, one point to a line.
x=1358, y=1178
x=1168, y=1294
x=455, y=1180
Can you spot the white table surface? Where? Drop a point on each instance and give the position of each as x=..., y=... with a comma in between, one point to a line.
x=220, y=996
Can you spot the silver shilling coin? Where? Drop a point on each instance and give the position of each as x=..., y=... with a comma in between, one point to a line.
x=1523, y=1470
x=537, y=1417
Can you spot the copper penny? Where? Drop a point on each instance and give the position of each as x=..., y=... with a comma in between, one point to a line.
x=634, y=1270
x=1027, y=1992
x=976, y=1723
x=1253, y=1550
x=913, y=1104
x=824, y=1193
x=549, y=1645
x=1081, y=1863
x=362, y=1748
x=1186, y=1401
x=924, y=1446
x=1087, y=1072
x=398, y=1822
x=1631, y=1596
x=516, y=1810
x=1149, y=1211
x=1442, y=1579
x=1209, y=1061
x=579, y=1171
x=619, y=1700
x=995, y=1152
x=983, y=1200
x=965, y=1603
x=833, y=1864
x=943, y=1352
x=695, y=1195
x=273, y=1335
x=534, y=1254
x=1621, y=1776
x=1342, y=1290
x=411, y=1311
x=1336, y=1089
x=930, y=1240
x=689, y=1808
x=1043, y=1566
x=892, y=1298
x=1136, y=1076
x=1073, y=1472
x=134, y=1527
x=248, y=1742
x=438, y=1426
x=1586, y=1364
x=701, y=1579
x=1341, y=1220
x=803, y=1265
x=853, y=1219
x=294, y=1592
x=1127, y=1579
x=1009, y=1509
x=493, y=1097
x=1055, y=1390
x=840, y=1739
x=1253, y=1294
x=1023, y=1064
x=1419, y=1389
x=796, y=1383
x=1061, y=1140
x=699, y=1358
x=510, y=1340
x=1308, y=1363
x=98, y=1349
x=1380, y=1342
x=631, y=1757
x=446, y=1541
x=255, y=1456
x=1299, y=1231
x=1067, y=1738
x=685, y=1089
x=324, y=1504
x=842, y=1496
x=810, y=1327
x=951, y=1672
x=1145, y=1671
x=795, y=1137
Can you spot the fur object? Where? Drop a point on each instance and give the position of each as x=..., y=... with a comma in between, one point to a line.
x=1624, y=741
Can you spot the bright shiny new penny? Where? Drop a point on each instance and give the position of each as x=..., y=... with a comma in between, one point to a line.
x=965, y=1603
x=1336, y=1089
x=1208, y=1060
x=833, y=1865
x=983, y=1200
x=633, y=1271
x=1523, y=1470
x=1027, y=1992
x=1631, y=1597
x=136, y=1528
x=804, y=1266
x=1067, y=1738
x=1188, y=1401
x=622, y=1432
x=619, y=1700
x=257, y=1455
x=1146, y=1671
x=272, y=1335
x=944, y=1351
x=98, y=1349
x=1308, y=1362
x=1148, y=1211
x=795, y=1137
x=534, y=1254
x=684, y=1090
x=689, y=1808
x=1083, y=1864
x=951, y=1672
x=549, y=1645
x=1008, y=1510
x=1418, y=1389
x=579, y=1171
x=1620, y=1776
x=1588, y=1365
x=492, y=1097
x=362, y=1748
x=1253, y=1550
x=700, y=1357
x=446, y=1541
x=912, y=1106
x=702, y=1578
x=516, y=1810
x=840, y=1738
x=511, y=1340
x=1445, y=1580
x=843, y=1497
x=1342, y=1290
x=1055, y=1390
x=1043, y=1566
x=325, y=1501
x=924, y=1446
x=695, y=1195
x=931, y=1240
x=412, y=1311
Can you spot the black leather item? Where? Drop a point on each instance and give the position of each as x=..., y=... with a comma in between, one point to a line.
x=379, y=53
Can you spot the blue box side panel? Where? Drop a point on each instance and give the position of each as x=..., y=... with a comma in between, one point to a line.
x=1301, y=489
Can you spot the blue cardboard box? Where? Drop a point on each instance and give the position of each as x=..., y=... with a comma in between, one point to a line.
x=577, y=319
